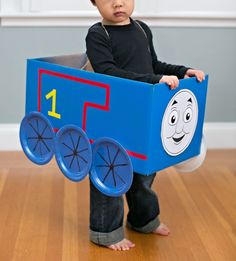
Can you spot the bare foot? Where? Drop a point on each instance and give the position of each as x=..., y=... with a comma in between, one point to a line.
x=162, y=230
x=124, y=244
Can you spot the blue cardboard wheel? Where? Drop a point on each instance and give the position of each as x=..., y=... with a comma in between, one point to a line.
x=73, y=152
x=37, y=138
x=111, y=170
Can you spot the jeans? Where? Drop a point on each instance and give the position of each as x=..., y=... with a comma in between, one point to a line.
x=107, y=213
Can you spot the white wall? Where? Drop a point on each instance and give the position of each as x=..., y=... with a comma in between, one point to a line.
x=191, y=13
x=68, y=5
x=153, y=6
x=193, y=6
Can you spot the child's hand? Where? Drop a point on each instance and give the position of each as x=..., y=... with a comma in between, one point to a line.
x=200, y=75
x=171, y=80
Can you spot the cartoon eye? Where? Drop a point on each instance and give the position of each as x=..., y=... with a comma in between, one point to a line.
x=188, y=115
x=173, y=118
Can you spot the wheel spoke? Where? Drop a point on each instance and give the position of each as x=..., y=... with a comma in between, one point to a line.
x=72, y=161
x=104, y=179
x=118, y=150
x=78, y=163
x=30, y=124
x=120, y=177
x=114, y=178
x=79, y=151
x=44, y=143
x=83, y=159
x=103, y=158
x=73, y=144
x=120, y=165
x=37, y=124
x=36, y=145
x=77, y=145
x=40, y=149
x=46, y=126
x=67, y=146
x=69, y=155
x=101, y=166
x=109, y=156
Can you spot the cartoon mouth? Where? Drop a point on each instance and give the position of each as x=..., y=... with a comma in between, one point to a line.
x=178, y=139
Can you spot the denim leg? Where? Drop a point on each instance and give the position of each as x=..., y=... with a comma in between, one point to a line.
x=143, y=204
x=106, y=218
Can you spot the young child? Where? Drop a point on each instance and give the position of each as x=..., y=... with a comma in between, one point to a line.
x=122, y=47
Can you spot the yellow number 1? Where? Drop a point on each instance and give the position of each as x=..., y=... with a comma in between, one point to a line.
x=53, y=95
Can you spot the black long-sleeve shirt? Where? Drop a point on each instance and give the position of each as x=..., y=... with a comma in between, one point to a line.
x=127, y=51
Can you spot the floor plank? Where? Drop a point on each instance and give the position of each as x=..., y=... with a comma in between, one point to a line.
x=44, y=216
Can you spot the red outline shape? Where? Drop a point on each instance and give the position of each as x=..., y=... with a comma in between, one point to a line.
x=86, y=104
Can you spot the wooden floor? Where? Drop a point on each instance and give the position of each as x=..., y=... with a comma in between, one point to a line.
x=43, y=216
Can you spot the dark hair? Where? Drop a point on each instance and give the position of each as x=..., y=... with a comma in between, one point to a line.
x=93, y=1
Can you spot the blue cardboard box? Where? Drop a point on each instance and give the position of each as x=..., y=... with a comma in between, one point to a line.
x=157, y=126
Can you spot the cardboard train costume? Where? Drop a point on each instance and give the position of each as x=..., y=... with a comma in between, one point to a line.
x=108, y=126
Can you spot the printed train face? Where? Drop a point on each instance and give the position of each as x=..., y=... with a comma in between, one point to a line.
x=179, y=122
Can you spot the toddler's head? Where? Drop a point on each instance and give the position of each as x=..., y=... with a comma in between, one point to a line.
x=115, y=12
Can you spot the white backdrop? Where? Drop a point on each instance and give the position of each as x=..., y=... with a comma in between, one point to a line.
x=142, y=6
x=186, y=13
